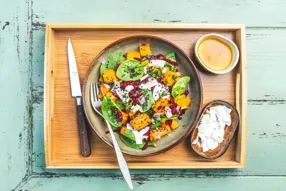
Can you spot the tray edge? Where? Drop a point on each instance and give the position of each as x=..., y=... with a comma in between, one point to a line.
x=239, y=29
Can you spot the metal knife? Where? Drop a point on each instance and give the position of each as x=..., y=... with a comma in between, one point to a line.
x=76, y=92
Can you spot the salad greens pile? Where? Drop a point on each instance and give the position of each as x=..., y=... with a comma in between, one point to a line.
x=143, y=95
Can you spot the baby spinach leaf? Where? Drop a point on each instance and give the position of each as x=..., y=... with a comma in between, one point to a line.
x=111, y=61
x=106, y=108
x=119, y=104
x=149, y=101
x=130, y=70
x=130, y=143
x=180, y=86
x=170, y=56
x=155, y=72
x=129, y=134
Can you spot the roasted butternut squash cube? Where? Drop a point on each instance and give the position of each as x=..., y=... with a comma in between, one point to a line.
x=109, y=76
x=170, y=78
x=131, y=115
x=175, y=124
x=103, y=90
x=183, y=101
x=159, y=132
x=132, y=55
x=124, y=117
x=145, y=50
x=163, y=125
x=140, y=121
x=159, y=105
x=122, y=130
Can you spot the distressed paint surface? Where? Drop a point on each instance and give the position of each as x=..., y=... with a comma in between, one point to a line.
x=22, y=30
x=153, y=183
x=16, y=105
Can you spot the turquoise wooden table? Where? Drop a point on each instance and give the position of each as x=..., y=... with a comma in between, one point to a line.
x=22, y=30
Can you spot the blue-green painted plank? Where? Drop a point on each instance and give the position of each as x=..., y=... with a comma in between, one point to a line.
x=266, y=64
x=15, y=93
x=250, y=12
x=155, y=183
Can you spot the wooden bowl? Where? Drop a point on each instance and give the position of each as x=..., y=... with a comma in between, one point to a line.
x=186, y=67
x=229, y=131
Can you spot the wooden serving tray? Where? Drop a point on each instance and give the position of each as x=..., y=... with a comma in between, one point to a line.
x=61, y=132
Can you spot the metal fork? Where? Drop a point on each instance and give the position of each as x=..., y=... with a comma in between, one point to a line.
x=96, y=104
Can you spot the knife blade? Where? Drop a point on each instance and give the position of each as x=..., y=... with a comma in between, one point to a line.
x=76, y=92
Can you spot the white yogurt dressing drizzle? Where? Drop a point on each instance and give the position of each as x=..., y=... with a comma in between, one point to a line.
x=139, y=135
x=161, y=90
x=123, y=94
x=157, y=63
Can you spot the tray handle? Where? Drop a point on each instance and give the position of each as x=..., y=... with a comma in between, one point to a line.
x=237, y=93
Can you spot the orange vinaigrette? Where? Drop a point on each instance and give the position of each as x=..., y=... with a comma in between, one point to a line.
x=215, y=54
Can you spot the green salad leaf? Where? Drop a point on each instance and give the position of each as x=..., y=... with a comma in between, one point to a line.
x=106, y=108
x=148, y=103
x=133, y=145
x=111, y=61
x=170, y=66
x=162, y=119
x=155, y=72
x=170, y=56
x=119, y=104
x=129, y=134
x=150, y=112
x=152, y=144
x=128, y=105
x=130, y=143
x=156, y=124
x=180, y=86
x=130, y=70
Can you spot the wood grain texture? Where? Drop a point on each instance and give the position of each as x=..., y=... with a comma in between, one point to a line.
x=87, y=44
x=144, y=26
x=242, y=93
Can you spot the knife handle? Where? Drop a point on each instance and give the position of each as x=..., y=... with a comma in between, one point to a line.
x=83, y=136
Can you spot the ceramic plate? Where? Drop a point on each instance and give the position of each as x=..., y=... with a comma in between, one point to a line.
x=186, y=67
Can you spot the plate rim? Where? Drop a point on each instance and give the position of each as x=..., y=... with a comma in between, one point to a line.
x=157, y=38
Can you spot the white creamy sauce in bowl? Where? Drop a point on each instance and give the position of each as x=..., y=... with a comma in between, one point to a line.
x=212, y=127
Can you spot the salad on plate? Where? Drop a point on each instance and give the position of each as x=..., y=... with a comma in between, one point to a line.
x=143, y=95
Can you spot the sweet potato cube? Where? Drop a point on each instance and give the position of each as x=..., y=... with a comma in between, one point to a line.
x=140, y=121
x=145, y=50
x=175, y=124
x=183, y=101
x=132, y=55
